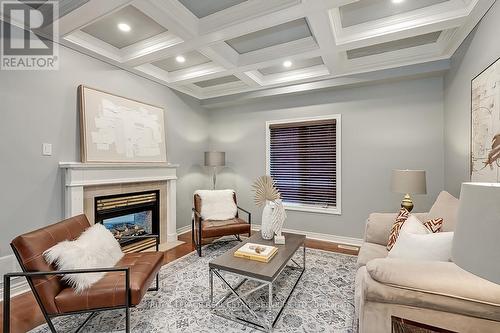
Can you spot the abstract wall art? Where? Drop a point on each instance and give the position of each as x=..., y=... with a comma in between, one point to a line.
x=485, y=121
x=118, y=129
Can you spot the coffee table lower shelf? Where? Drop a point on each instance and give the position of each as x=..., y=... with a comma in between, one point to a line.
x=256, y=321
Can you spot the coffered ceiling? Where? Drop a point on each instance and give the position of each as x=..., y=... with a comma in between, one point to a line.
x=215, y=48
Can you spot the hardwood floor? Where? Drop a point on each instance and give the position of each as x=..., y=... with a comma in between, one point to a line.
x=25, y=313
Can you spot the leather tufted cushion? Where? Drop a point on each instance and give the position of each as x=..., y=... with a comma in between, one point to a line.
x=236, y=226
x=110, y=290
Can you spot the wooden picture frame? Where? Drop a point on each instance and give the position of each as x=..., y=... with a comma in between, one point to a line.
x=116, y=129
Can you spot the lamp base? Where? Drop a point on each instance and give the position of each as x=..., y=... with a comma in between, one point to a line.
x=407, y=203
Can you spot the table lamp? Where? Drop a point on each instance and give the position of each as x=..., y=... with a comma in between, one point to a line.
x=476, y=243
x=408, y=182
x=215, y=159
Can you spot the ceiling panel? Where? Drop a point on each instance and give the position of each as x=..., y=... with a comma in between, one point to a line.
x=278, y=34
x=217, y=81
x=193, y=58
x=296, y=64
x=202, y=8
x=394, y=45
x=142, y=27
x=370, y=10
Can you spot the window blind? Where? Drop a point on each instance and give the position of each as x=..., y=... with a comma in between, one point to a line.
x=303, y=161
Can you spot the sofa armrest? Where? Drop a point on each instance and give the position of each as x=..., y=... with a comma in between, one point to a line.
x=434, y=277
x=378, y=227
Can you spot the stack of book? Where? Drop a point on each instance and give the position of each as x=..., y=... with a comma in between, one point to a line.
x=257, y=252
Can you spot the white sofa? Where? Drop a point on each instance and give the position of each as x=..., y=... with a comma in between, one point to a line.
x=439, y=294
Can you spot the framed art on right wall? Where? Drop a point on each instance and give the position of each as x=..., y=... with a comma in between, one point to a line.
x=485, y=122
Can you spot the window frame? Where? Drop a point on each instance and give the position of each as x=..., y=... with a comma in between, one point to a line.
x=337, y=210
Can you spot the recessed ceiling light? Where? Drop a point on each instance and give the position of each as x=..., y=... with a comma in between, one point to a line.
x=180, y=59
x=287, y=63
x=398, y=1
x=124, y=27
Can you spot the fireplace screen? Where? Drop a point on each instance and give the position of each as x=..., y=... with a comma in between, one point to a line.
x=131, y=214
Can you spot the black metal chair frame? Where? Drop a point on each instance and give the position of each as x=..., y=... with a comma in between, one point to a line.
x=197, y=239
x=48, y=317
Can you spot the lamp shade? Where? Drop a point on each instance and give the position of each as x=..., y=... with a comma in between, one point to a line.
x=215, y=158
x=476, y=243
x=408, y=181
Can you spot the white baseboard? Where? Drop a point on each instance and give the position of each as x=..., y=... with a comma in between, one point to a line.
x=322, y=237
x=183, y=230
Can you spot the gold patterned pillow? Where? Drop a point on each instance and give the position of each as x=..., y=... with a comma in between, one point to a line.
x=434, y=225
x=396, y=227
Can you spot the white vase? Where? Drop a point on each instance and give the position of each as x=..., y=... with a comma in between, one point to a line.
x=266, y=228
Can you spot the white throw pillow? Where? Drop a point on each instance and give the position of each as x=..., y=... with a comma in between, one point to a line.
x=217, y=204
x=431, y=247
x=413, y=225
x=95, y=248
x=445, y=207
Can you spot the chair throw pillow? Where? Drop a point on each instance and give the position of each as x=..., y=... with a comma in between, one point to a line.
x=95, y=248
x=217, y=205
x=396, y=227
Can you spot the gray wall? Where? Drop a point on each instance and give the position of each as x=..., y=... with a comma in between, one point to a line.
x=37, y=107
x=384, y=126
x=477, y=52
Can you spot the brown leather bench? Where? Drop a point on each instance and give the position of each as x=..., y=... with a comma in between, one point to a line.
x=122, y=287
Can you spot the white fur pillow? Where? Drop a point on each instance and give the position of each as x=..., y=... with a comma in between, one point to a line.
x=217, y=204
x=95, y=248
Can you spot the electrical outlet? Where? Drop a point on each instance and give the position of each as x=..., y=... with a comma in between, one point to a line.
x=47, y=149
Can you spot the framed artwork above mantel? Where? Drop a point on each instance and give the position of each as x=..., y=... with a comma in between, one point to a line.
x=485, y=125
x=116, y=129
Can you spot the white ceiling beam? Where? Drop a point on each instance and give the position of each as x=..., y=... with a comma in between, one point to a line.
x=443, y=16
x=248, y=79
x=179, y=20
x=420, y=70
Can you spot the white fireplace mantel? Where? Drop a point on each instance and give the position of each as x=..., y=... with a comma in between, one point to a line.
x=79, y=175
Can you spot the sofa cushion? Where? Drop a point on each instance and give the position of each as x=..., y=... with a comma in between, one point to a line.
x=110, y=290
x=436, y=285
x=446, y=207
x=370, y=251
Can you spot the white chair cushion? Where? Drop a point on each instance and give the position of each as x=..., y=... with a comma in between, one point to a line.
x=95, y=248
x=217, y=204
x=431, y=247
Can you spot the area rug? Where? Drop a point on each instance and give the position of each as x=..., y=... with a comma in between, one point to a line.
x=323, y=300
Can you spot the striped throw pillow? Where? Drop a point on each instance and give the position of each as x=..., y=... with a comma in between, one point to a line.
x=396, y=227
x=434, y=225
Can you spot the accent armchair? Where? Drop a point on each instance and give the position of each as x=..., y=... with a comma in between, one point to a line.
x=122, y=287
x=208, y=228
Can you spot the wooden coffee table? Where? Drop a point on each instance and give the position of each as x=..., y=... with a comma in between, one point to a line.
x=264, y=273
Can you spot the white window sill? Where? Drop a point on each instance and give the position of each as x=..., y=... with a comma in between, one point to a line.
x=312, y=209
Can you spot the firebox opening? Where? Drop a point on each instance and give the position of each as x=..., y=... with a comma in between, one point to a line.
x=130, y=214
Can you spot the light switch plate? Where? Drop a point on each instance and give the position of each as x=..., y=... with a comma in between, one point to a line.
x=47, y=149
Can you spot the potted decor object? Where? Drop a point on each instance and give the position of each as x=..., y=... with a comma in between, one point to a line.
x=273, y=214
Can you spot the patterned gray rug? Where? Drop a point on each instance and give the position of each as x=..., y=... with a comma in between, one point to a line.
x=322, y=302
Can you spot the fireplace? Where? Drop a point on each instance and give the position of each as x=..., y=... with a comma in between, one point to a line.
x=130, y=214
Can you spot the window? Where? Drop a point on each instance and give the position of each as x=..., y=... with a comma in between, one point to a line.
x=303, y=157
